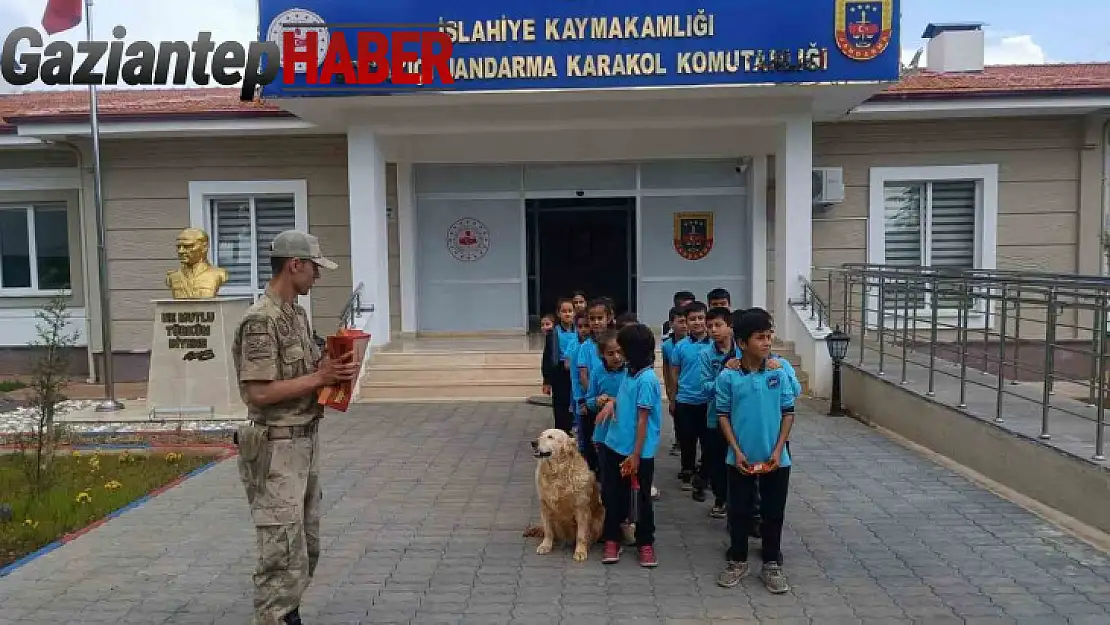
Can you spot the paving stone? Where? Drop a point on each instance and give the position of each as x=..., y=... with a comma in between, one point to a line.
x=424, y=507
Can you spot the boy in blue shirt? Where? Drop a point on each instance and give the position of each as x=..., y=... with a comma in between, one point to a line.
x=629, y=446
x=755, y=406
x=719, y=298
x=785, y=363
x=577, y=391
x=797, y=386
x=773, y=362
x=690, y=398
x=724, y=353
x=681, y=300
x=677, y=333
x=722, y=349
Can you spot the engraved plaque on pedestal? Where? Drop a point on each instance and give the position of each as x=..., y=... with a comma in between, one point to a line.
x=190, y=361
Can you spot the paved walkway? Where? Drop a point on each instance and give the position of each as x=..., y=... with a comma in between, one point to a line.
x=424, y=508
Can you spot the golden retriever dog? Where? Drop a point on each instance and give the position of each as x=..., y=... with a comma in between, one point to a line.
x=570, y=499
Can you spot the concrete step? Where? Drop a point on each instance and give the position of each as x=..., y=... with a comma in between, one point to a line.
x=491, y=390
x=476, y=375
x=437, y=376
x=457, y=359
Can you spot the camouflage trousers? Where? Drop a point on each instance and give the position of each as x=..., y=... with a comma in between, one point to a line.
x=281, y=479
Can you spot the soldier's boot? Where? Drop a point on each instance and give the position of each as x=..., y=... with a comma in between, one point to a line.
x=293, y=618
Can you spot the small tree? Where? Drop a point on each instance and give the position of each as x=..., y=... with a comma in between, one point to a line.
x=49, y=378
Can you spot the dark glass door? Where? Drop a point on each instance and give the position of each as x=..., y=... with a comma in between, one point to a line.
x=580, y=244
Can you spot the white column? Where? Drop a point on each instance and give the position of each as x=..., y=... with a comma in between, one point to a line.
x=406, y=225
x=793, y=213
x=369, y=230
x=758, y=193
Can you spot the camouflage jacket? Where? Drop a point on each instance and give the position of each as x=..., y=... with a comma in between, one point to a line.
x=274, y=342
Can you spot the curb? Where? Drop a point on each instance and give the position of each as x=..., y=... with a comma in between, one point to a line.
x=134, y=446
x=67, y=538
x=88, y=440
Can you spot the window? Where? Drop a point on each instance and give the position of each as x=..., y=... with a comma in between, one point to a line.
x=34, y=249
x=242, y=217
x=942, y=217
x=929, y=224
x=242, y=230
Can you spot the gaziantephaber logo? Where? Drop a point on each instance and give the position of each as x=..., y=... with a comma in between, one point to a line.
x=307, y=46
x=379, y=58
x=394, y=59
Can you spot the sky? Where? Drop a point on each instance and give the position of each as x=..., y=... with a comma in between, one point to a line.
x=1017, y=31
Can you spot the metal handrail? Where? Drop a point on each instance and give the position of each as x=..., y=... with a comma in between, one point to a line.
x=987, y=274
x=977, y=319
x=819, y=311
x=353, y=308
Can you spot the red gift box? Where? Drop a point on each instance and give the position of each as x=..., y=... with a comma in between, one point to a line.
x=338, y=396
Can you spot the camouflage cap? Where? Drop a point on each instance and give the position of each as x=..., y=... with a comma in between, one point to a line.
x=297, y=244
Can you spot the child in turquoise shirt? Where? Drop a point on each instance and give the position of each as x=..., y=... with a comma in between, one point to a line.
x=630, y=443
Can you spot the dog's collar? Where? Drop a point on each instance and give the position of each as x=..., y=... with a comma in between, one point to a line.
x=541, y=454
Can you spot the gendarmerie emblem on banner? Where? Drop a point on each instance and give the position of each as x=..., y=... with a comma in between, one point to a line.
x=468, y=239
x=300, y=22
x=693, y=235
x=864, y=27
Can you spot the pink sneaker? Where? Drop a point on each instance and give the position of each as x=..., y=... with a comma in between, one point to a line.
x=647, y=557
x=612, y=552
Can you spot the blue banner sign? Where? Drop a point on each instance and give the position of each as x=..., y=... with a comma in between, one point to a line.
x=593, y=44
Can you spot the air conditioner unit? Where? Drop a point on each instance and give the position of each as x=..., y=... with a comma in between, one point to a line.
x=828, y=185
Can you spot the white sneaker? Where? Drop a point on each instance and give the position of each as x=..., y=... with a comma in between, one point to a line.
x=654, y=493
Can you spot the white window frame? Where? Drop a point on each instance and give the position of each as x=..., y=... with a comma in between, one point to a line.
x=986, y=230
x=202, y=192
x=32, y=243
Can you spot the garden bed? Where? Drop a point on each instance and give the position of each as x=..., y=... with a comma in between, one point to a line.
x=85, y=487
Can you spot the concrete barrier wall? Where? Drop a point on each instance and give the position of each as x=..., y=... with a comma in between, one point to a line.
x=809, y=345
x=1067, y=483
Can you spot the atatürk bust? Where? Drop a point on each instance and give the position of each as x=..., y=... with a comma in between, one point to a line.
x=196, y=279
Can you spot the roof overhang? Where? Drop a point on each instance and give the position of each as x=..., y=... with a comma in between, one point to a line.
x=427, y=113
x=452, y=112
x=159, y=126
x=915, y=109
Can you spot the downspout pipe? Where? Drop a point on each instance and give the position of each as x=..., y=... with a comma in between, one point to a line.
x=91, y=379
x=1103, y=261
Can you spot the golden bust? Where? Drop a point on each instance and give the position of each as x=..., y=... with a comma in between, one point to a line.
x=197, y=278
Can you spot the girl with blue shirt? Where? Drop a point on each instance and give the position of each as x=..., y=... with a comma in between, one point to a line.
x=578, y=298
x=600, y=315
x=629, y=445
x=605, y=384
x=556, y=364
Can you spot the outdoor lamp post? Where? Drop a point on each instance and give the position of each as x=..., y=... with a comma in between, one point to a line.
x=837, y=342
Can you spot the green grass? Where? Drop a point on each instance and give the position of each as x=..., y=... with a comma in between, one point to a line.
x=84, y=488
x=7, y=386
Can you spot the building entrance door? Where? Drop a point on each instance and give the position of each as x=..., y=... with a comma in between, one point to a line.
x=585, y=244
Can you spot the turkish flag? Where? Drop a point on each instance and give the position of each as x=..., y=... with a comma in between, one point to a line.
x=61, y=15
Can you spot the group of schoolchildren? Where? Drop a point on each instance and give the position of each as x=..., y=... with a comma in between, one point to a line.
x=727, y=394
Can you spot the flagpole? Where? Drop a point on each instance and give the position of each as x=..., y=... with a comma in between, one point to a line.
x=110, y=404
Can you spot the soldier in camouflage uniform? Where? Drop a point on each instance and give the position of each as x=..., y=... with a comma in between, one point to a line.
x=280, y=367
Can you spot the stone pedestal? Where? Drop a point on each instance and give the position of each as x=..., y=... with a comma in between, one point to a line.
x=191, y=368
